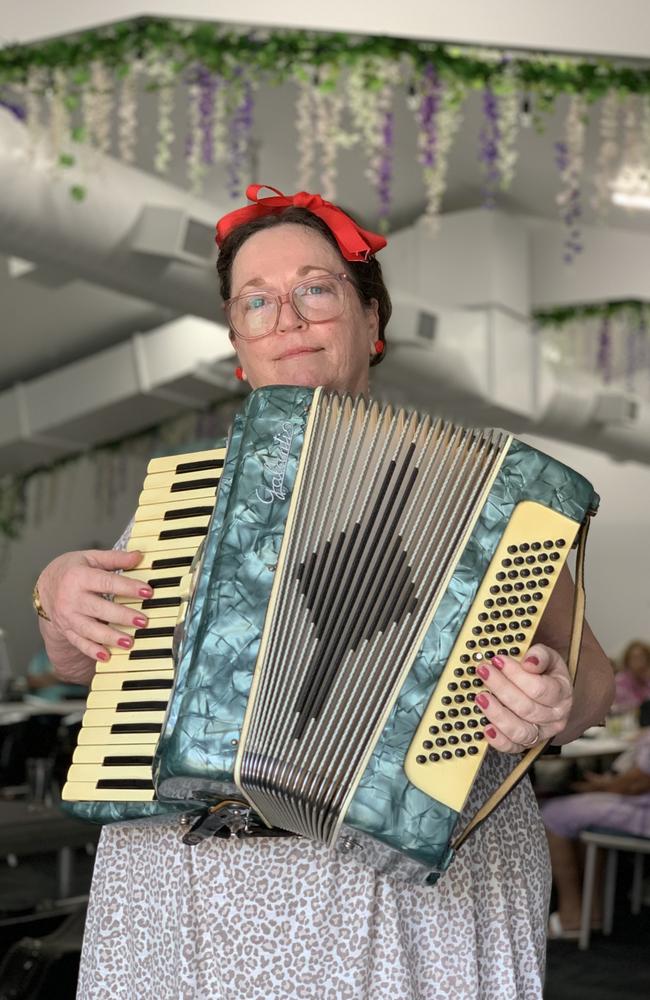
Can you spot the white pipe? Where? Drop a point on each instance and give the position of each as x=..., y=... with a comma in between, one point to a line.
x=41, y=222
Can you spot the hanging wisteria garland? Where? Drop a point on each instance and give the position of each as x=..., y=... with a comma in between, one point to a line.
x=612, y=339
x=347, y=89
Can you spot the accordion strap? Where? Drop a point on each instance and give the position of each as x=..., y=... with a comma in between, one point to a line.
x=531, y=756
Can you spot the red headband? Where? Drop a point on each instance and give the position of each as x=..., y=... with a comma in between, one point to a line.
x=354, y=243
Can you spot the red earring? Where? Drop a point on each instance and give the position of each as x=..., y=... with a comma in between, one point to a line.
x=379, y=346
x=239, y=373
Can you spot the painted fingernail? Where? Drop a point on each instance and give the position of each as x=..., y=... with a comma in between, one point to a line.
x=497, y=662
x=125, y=643
x=140, y=621
x=532, y=659
x=145, y=592
x=103, y=655
x=483, y=672
x=491, y=732
x=482, y=700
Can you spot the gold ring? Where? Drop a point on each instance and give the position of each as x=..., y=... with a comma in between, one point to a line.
x=535, y=739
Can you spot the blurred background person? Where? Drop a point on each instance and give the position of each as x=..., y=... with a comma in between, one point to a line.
x=633, y=679
x=43, y=683
x=619, y=802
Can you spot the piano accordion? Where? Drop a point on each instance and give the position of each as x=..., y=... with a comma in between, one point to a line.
x=315, y=664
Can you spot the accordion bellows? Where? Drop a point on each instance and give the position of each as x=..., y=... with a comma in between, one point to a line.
x=360, y=563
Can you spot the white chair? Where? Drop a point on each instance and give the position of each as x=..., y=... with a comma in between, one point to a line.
x=612, y=841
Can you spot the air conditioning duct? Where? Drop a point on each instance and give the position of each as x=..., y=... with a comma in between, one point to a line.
x=133, y=232
x=149, y=378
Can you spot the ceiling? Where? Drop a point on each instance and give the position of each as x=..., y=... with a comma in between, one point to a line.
x=48, y=326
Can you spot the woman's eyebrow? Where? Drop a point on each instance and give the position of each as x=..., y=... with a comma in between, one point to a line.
x=259, y=282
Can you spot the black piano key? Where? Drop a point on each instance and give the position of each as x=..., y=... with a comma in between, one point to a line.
x=173, y=562
x=166, y=631
x=183, y=533
x=177, y=515
x=141, y=706
x=208, y=463
x=149, y=654
x=165, y=581
x=161, y=602
x=151, y=683
x=135, y=728
x=127, y=761
x=194, y=484
x=162, y=632
x=125, y=783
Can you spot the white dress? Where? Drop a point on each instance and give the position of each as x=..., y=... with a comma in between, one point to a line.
x=286, y=919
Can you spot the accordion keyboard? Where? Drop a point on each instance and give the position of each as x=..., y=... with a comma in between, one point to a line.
x=129, y=694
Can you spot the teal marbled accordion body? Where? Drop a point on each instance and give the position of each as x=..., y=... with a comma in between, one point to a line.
x=217, y=654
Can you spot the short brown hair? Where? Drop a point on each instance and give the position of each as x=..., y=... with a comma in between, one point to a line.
x=366, y=276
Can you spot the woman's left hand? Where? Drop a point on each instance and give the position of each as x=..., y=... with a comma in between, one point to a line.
x=527, y=702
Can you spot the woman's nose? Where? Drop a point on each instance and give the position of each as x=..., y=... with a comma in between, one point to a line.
x=288, y=318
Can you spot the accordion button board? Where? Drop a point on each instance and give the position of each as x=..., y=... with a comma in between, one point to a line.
x=449, y=743
x=130, y=693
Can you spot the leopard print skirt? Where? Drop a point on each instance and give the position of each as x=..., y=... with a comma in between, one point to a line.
x=287, y=919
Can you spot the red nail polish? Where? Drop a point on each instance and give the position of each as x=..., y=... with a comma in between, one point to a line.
x=497, y=662
x=483, y=672
x=140, y=621
x=491, y=732
x=125, y=643
x=482, y=700
x=103, y=655
x=145, y=592
x=532, y=659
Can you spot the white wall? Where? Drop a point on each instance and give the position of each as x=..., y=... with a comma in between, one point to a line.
x=616, y=27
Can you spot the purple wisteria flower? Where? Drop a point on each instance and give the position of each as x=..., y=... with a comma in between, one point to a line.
x=571, y=208
x=427, y=112
x=209, y=84
x=604, y=354
x=239, y=134
x=16, y=109
x=489, y=152
x=385, y=172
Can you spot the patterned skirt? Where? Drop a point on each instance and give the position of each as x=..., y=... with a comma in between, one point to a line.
x=286, y=919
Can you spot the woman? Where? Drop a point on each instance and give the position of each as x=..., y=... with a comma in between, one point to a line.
x=633, y=680
x=283, y=918
x=618, y=802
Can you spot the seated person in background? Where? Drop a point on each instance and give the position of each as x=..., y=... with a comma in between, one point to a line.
x=633, y=680
x=42, y=682
x=618, y=801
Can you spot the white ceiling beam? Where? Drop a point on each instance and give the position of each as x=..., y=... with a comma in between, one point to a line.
x=609, y=27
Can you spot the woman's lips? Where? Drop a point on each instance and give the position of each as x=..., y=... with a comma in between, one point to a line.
x=297, y=351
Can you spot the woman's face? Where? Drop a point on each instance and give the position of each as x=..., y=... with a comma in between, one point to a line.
x=637, y=663
x=335, y=353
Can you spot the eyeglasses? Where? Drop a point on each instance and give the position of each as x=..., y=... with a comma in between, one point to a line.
x=256, y=313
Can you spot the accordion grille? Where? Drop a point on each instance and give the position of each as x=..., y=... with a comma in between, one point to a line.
x=383, y=502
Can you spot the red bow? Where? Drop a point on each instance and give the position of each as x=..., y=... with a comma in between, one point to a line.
x=354, y=243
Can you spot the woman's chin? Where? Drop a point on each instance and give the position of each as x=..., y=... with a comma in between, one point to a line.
x=303, y=370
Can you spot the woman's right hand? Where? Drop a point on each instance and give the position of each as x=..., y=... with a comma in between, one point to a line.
x=72, y=591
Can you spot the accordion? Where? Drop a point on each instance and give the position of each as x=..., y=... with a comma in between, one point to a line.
x=314, y=664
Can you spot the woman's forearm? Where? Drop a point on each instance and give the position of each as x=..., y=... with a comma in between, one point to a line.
x=632, y=782
x=594, y=690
